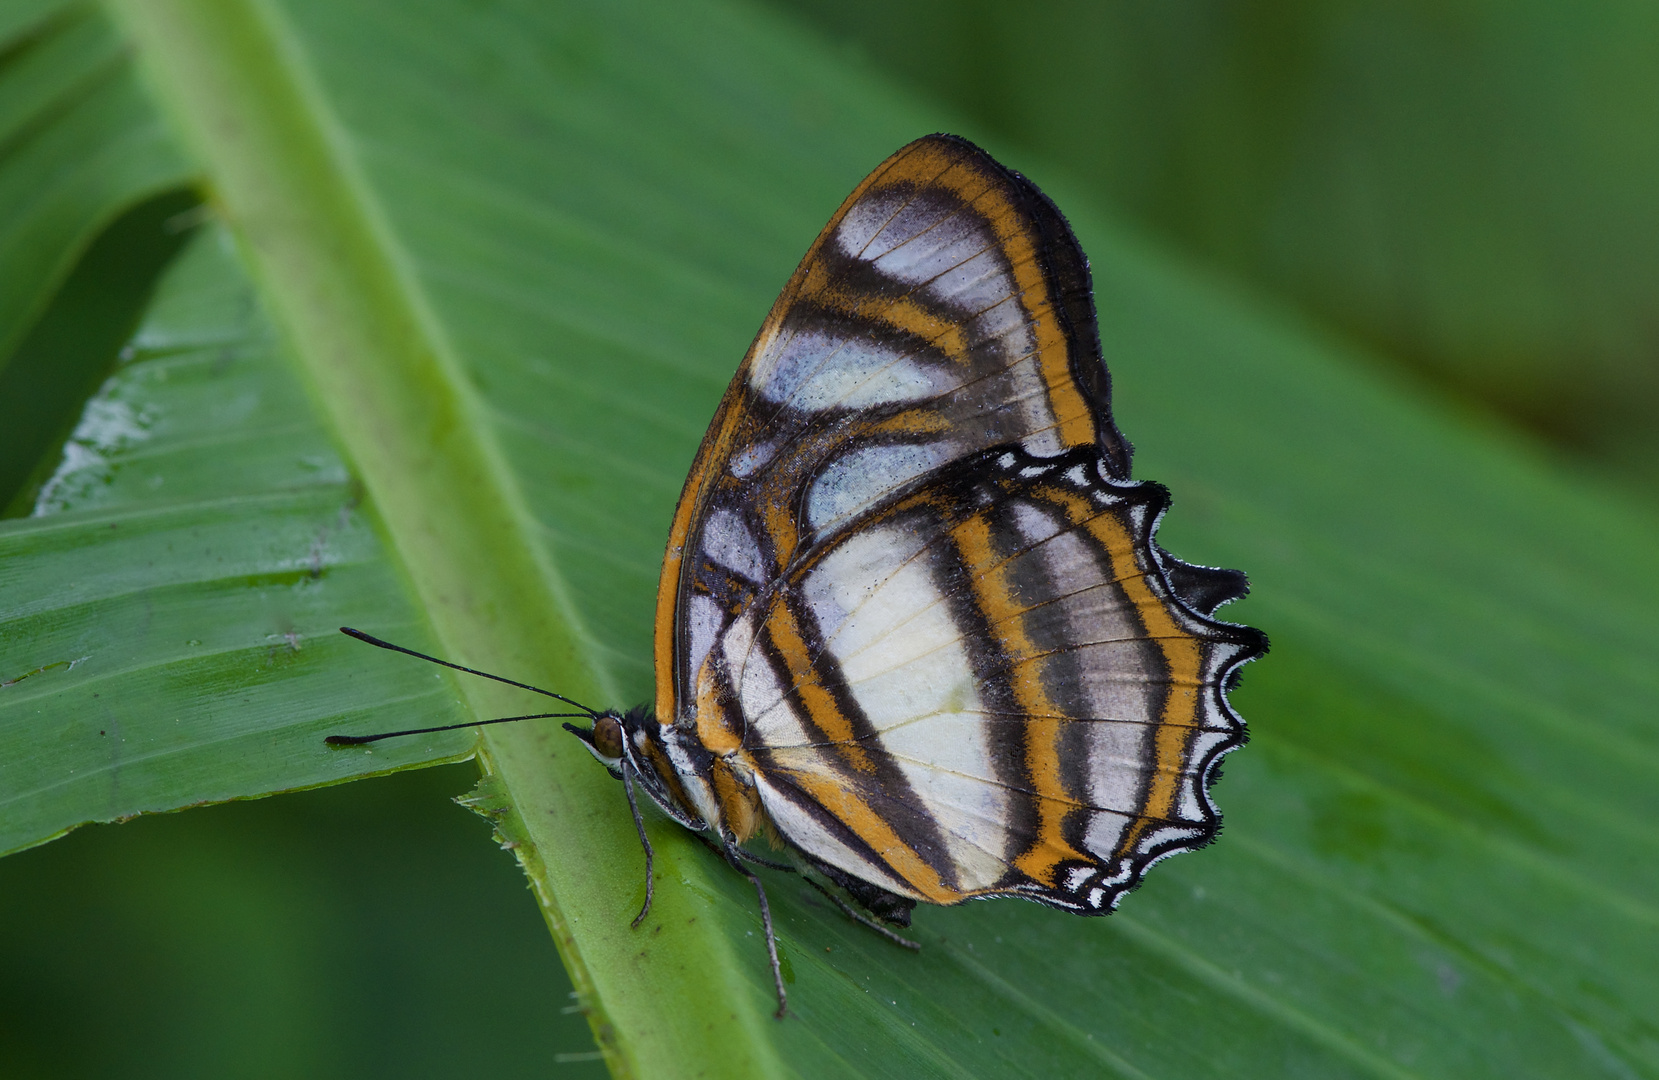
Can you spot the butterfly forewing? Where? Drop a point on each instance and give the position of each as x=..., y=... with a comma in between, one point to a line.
x=945, y=309
x=910, y=591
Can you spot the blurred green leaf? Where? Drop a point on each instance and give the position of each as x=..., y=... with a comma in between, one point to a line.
x=351, y=931
x=79, y=145
x=77, y=341
x=565, y=222
x=1467, y=184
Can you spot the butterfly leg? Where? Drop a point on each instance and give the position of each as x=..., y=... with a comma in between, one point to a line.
x=747, y=856
x=734, y=856
x=846, y=909
x=850, y=912
x=645, y=842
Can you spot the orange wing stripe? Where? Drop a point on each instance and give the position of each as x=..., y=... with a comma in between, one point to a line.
x=994, y=593
x=873, y=829
x=819, y=703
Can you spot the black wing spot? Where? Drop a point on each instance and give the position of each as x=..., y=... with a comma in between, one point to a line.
x=1204, y=588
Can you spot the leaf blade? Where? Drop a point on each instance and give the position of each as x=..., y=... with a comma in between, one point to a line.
x=158, y=589
x=1404, y=560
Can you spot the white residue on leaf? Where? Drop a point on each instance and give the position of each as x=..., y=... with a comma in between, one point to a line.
x=107, y=427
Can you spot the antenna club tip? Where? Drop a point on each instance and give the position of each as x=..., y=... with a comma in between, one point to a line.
x=344, y=740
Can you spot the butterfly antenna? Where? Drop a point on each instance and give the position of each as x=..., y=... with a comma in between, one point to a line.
x=592, y=714
x=359, y=740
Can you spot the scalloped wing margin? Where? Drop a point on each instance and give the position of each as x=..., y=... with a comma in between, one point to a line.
x=990, y=687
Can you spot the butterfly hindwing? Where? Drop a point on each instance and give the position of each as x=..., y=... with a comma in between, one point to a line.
x=989, y=688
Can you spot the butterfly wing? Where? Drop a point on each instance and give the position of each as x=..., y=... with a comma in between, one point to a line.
x=990, y=687
x=946, y=308
x=909, y=582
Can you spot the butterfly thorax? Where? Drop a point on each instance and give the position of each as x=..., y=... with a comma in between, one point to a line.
x=696, y=786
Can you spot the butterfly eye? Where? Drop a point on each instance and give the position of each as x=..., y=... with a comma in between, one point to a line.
x=607, y=736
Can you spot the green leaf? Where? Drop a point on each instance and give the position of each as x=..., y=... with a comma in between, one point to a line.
x=356, y=930
x=516, y=253
x=1469, y=184
x=78, y=145
x=169, y=611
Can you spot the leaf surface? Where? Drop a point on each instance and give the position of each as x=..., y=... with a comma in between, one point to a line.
x=168, y=614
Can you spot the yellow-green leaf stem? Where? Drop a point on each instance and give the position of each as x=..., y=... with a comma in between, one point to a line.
x=237, y=86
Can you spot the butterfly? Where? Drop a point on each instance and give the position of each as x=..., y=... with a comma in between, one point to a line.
x=913, y=623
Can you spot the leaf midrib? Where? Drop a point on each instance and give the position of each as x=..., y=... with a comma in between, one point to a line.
x=235, y=80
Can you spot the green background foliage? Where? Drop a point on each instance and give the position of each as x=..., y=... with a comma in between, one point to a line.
x=1467, y=187
x=260, y=258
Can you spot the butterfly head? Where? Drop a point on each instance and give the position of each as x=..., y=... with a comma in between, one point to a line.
x=606, y=740
x=635, y=743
